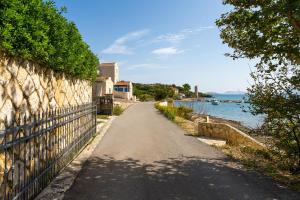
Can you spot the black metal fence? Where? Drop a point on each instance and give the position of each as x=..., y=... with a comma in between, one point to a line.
x=34, y=149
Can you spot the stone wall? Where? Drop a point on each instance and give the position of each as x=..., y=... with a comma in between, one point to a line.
x=226, y=132
x=26, y=88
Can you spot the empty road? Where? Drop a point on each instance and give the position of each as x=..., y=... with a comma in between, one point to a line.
x=145, y=156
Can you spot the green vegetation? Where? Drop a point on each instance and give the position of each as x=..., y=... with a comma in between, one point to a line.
x=118, y=110
x=102, y=116
x=269, y=32
x=35, y=30
x=171, y=112
x=148, y=92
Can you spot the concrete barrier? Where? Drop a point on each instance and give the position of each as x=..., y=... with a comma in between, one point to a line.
x=226, y=132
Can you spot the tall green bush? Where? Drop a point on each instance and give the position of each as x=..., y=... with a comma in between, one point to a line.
x=35, y=30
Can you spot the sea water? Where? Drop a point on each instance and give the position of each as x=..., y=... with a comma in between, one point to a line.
x=232, y=111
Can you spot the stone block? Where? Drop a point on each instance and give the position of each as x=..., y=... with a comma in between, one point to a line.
x=15, y=93
x=7, y=112
x=5, y=77
x=34, y=102
x=2, y=96
x=22, y=75
x=36, y=80
x=12, y=67
x=28, y=86
x=45, y=103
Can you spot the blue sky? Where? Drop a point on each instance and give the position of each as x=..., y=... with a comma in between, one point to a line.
x=166, y=41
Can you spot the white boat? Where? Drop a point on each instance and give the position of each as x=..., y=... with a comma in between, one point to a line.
x=215, y=102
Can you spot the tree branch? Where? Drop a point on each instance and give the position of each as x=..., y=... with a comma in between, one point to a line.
x=295, y=22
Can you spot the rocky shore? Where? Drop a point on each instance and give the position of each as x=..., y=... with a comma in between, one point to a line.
x=202, y=118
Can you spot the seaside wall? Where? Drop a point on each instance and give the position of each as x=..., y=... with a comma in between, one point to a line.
x=27, y=88
x=226, y=132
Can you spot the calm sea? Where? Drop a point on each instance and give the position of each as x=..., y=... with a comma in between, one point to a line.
x=233, y=111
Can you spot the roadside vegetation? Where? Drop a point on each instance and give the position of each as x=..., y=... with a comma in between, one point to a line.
x=262, y=160
x=36, y=30
x=118, y=110
x=158, y=92
x=102, y=116
x=265, y=162
x=171, y=112
x=269, y=32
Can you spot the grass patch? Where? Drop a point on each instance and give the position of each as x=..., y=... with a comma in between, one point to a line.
x=172, y=112
x=118, y=110
x=102, y=116
x=186, y=125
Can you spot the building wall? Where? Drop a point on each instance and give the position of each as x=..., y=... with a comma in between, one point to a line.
x=125, y=95
x=122, y=95
x=26, y=88
x=102, y=87
x=109, y=70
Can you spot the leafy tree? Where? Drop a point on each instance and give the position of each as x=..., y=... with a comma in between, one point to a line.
x=186, y=87
x=35, y=30
x=269, y=32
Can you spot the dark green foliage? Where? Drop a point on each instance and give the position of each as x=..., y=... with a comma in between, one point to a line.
x=269, y=31
x=147, y=92
x=35, y=30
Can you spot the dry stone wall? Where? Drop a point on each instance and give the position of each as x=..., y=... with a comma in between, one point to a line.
x=27, y=88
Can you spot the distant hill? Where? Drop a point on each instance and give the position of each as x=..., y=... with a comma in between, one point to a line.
x=235, y=92
x=158, y=91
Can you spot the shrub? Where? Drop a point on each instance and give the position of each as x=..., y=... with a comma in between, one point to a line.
x=167, y=111
x=171, y=112
x=36, y=31
x=118, y=110
x=145, y=97
x=184, y=111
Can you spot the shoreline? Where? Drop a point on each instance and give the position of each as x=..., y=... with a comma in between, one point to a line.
x=215, y=119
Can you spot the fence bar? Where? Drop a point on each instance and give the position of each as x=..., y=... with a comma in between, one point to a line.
x=36, y=148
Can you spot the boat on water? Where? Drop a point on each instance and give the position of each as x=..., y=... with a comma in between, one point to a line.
x=215, y=102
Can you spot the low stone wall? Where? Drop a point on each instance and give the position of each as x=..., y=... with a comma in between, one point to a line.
x=26, y=88
x=226, y=132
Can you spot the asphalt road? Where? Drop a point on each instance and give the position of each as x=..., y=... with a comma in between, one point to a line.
x=145, y=156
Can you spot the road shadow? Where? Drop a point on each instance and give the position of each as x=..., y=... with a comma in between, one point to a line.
x=175, y=178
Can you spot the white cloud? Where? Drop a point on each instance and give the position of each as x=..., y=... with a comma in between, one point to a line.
x=181, y=35
x=167, y=51
x=146, y=66
x=120, y=45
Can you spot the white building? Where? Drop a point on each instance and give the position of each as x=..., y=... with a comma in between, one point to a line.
x=110, y=70
x=103, y=86
x=124, y=90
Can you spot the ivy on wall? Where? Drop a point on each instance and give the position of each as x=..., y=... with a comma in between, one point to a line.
x=35, y=30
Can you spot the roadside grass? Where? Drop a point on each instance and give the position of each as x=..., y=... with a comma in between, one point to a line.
x=252, y=159
x=186, y=125
x=118, y=110
x=172, y=112
x=102, y=116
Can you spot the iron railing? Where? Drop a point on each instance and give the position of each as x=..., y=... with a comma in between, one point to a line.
x=33, y=150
